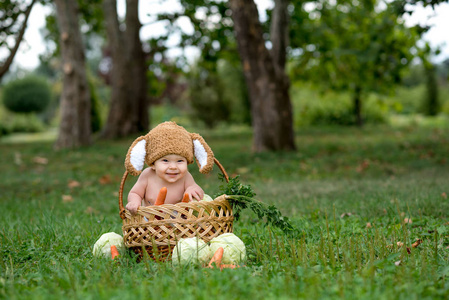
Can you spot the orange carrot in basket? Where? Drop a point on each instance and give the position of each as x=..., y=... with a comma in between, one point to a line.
x=114, y=252
x=186, y=199
x=216, y=258
x=161, y=196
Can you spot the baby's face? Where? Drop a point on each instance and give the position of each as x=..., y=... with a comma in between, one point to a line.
x=171, y=167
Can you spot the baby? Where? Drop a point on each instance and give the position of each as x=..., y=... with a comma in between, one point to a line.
x=167, y=149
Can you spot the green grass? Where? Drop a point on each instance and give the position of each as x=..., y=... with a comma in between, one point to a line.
x=380, y=175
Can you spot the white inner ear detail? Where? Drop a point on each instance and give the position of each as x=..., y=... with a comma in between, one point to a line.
x=137, y=156
x=200, y=153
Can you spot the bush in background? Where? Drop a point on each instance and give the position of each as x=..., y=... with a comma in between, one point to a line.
x=219, y=95
x=30, y=94
x=312, y=107
x=207, y=99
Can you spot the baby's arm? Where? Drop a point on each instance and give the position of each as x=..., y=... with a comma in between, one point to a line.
x=137, y=193
x=193, y=189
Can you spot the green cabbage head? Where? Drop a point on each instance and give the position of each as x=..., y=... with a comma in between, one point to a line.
x=103, y=246
x=191, y=251
x=234, y=249
x=207, y=198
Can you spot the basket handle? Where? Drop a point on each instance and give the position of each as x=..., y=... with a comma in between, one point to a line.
x=125, y=175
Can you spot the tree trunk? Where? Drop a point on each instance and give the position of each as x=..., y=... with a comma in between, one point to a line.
x=5, y=66
x=358, y=106
x=137, y=65
x=128, y=112
x=265, y=76
x=74, y=129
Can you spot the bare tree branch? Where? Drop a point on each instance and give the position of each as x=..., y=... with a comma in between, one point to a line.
x=5, y=66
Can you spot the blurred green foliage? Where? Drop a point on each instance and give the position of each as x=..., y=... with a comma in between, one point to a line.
x=29, y=94
x=219, y=95
x=333, y=44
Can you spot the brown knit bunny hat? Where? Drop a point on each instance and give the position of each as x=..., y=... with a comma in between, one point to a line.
x=168, y=138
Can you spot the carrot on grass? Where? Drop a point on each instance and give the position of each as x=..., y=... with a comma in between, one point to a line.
x=186, y=199
x=216, y=258
x=161, y=196
x=231, y=266
x=114, y=251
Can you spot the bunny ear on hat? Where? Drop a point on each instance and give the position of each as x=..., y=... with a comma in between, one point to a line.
x=135, y=158
x=203, y=153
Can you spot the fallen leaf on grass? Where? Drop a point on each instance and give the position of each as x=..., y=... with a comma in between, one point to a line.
x=73, y=184
x=364, y=165
x=368, y=225
x=408, y=221
x=105, y=179
x=444, y=195
x=400, y=244
x=40, y=160
x=409, y=251
x=348, y=214
x=67, y=198
x=398, y=263
x=417, y=243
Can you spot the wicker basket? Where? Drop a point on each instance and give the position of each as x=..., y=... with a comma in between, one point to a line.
x=155, y=230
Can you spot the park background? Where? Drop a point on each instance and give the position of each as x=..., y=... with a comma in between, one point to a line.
x=338, y=117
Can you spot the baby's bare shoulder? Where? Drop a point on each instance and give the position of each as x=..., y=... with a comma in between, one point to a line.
x=146, y=174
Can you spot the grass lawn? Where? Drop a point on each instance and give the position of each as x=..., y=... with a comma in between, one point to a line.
x=359, y=199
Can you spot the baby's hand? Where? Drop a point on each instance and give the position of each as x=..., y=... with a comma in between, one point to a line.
x=195, y=191
x=132, y=207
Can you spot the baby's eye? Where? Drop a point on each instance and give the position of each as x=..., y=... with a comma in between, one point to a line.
x=181, y=160
x=165, y=160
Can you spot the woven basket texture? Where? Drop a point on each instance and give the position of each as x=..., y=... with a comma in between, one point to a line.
x=155, y=230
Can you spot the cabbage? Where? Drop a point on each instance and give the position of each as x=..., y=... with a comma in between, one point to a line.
x=207, y=198
x=191, y=251
x=103, y=246
x=234, y=248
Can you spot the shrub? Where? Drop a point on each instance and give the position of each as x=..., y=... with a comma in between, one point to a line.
x=30, y=94
x=207, y=100
x=20, y=123
x=219, y=95
x=312, y=107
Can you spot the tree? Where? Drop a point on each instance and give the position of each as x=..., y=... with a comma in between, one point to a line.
x=267, y=82
x=75, y=127
x=128, y=111
x=210, y=87
x=9, y=25
x=361, y=48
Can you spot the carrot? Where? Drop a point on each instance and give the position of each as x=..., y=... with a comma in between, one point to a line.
x=114, y=252
x=229, y=267
x=161, y=196
x=186, y=199
x=216, y=258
